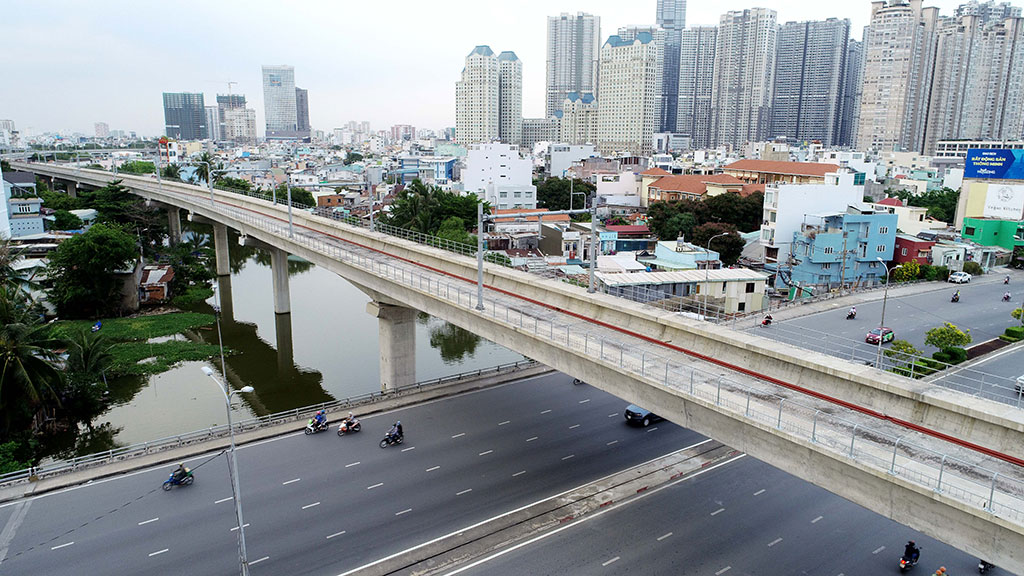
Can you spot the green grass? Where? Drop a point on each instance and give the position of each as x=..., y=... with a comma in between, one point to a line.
x=192, y=295
x=127, y=356
x=142, y=328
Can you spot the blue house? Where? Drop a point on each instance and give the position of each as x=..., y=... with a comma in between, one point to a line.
x=845, y=248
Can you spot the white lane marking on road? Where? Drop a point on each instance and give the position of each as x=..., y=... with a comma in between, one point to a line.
x=527, y=506
x=584, y=401
x=459, y=434
x=545, y=412
x=290, y=482
x=66, y=544
x=520, y=473
x=613, y=415
x=531, y=439
x=409, y=448
x=815, y=521
x=310, y=505
x=377, y=485
x=17, y=517
x=574, y=426
x=723, y=571
x=652, y=429
x=260, y=560
x=663, y=536
x=246, y=525
x=335, y=534
x=613, y=560
x=759, y=492
x=879, y=549
x=485, y=453
x=774, y=542
x=403, y=511
x=466, y=491
x=503, y=423
x=148, y=521
x=352, y=464
x=151, y=554
x=719, y=511
x=433, y=468
x=612, y=442
x=569, y=456
x=222, y=500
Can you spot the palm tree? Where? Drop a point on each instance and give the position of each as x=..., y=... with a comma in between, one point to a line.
x=88, y=353
x=28, y=374
x=172, y=171
x=204, y=167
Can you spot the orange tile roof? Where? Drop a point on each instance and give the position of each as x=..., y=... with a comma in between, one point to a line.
x=541, y=213
x=655, y=172
x=693, y=183
x=749, y=189
x=788, y=168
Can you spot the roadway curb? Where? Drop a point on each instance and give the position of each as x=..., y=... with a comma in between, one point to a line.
x=447, y=552
x=378, y=406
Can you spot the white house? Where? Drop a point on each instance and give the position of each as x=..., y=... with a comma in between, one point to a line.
x=499, y=174
x=561, y=157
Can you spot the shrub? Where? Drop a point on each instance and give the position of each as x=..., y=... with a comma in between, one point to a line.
x=973, y=268
x=941, y=273
x=1015, y=332
x=1009, y=339
x=935, y=365
x=942, y=357
x=926, y=272
x=956, y=354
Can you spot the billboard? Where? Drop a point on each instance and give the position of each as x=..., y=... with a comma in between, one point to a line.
x=1004, y=202
x=993, y=163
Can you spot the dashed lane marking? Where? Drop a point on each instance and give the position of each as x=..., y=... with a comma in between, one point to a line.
x=613, y=414
x=246, y=525
x=520, y=473
x=403, y=511
x=879, y=549
x=290, y=481
x=584, y=401
x=148, y=521
x=151, y=554
x=310, y=505
x=335, y=534
x=503, y=423
x=574, y=426
x=612, y=561
x=815, y=521
x=66, y=544
x=352, y=464
x=663, y=536
x=545, y=412
x=569, y=456
x=759, y=492
x=459, y=435
x=723, y=571
x=719, y=511
x=222, y=500
x=531, y=439
x=260, y=560
x=409, y=448
x=431, y=469
x=774, y=542
x=466, y=491
x=652, y=429
x=612, y=442
x=485, y=452
x=377, y=485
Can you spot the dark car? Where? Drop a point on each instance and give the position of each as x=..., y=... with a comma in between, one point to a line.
x=637, y=416
x=887, y=335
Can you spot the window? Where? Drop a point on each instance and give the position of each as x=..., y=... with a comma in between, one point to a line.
x=723, y=286
x=880, y=248
x=750, y=288
x=969, y=231
x=883, y=229
x=829, y=250
x=826, y=266
x=903, y=252
x=741, y=307
x=873, y=265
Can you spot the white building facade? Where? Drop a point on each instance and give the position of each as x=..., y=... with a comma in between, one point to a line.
x=476, y=98
x=279, y=101
x=500, y=175
x=787, y=205
x=628, y=106
x=510, y=98
x=741, y=98
x=579, y=119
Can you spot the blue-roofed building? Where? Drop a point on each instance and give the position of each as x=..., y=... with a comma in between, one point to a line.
x=845, y=248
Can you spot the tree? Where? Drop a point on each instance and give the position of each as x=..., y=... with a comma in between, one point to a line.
x=553, y=193
x=352, y=157
x=941, y=204
x=58, y=200
x=907, y=272
x=729, y=247
x=113, y=202
x=678, y=225
x=455, y=230
x=232, y=183
x=300, y=196
x=902, y=351
x=83, y=267
x=203, y=167
x=64, y=220
x=947, y=336
x=137, y=167
x=172, y=171
x=5, y=166
x=28, y=376
x=88, y=353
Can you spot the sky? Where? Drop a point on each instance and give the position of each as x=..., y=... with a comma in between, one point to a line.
x=68, y=64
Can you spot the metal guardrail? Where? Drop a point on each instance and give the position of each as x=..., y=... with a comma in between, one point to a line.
x=764, y=405
x=212, y=432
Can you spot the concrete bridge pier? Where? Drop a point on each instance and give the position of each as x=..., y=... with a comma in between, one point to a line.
x=279, y=270
x=226, y=299
x=397, y=334
x=174, y=223
x=71, y=187
x=285, y=349
x=220, y=247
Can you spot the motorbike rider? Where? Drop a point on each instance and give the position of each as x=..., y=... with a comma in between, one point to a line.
x=1007, y=279
x=1006, y=296
x=852, y=313
x=320, y=418
x=956, y=296
x=911, y=551
x=767, y=319
x=180, y=472
x=396, y=429
x=349, y=420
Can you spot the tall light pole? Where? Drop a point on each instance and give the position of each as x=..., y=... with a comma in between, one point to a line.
x=707, y=271
x=881, y=321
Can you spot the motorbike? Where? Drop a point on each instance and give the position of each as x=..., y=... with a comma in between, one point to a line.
x=767, y=321
x=390, y=439
x=347, y=427
x=851, y=315
x=1006, y=280
x=312, y=427
x=984, y=566
x=187, y=480
x=955, y=298
x=577, y=382
x=906, y=563
x=1006, y=297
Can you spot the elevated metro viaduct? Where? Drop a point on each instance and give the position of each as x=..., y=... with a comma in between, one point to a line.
x=648, y=358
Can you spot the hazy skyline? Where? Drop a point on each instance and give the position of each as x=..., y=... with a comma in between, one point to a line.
x=71, y=64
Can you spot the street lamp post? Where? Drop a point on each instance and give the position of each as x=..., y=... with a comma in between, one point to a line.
x=707, y=271
x=881, y=321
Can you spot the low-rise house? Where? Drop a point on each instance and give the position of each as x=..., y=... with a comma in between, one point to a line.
x=673, y=256
x=769, y=172
x=155, y=284
x=911, y=248
x=691, y=187
x=728, y=290
x=912, y=220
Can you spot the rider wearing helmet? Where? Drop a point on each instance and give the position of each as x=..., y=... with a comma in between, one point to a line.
x=180, y=472
x=320, y=418
x=396, y=429
x=911, y=551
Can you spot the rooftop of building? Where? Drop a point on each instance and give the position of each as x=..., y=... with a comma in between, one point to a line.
x=628, y=228
x=616, y=41
x=891, y=202
x=20, y=178
x=655, y=172
x=787, y=168
x=508, y=56
x=682, y=277
x=483, y=50
x=694, y=183
x=585, y=97
x=540, y=213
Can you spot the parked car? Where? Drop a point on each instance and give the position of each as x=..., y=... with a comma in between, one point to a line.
x=1019, y=386
x=637, y=416
x=887, y=335
x=959, y=277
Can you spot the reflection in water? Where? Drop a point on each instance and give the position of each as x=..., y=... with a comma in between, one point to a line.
x=454, y=343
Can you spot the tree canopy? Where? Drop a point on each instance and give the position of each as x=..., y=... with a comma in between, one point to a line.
x=553, y=193
x=83, y=270
x=729, y=247
x=424, y=208
x=668, y=219
x=947, y=336
x=941, y=204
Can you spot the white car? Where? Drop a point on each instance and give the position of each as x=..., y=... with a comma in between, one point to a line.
x=959, y=277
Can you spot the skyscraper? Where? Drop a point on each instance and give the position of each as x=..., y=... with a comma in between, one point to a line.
x=810, y=80
x=741, y=97
x=630, y=80
x=476, y=98
x=240, y=125
x=279, y=101
x=102, y=130
x=213, y=123
x=184, y=116
x=979, y=71
x=510, y=98
x=579, y=119
x=302, y=111
x=574, y=47
x=672, y=18
x=696, y=81
x=899, y=51
x=852, y=93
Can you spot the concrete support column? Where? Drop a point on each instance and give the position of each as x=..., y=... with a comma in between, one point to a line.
x=285, y=350
x=72, y=188
x=279, y=270
x=174, y=223
x=220, y=247
x=396, y=326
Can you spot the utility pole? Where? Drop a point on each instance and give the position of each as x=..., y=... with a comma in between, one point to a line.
x=842, y=274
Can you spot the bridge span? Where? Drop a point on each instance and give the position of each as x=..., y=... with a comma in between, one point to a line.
x=934, y=459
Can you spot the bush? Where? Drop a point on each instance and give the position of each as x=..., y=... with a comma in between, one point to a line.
x=926, y=272
x=932, y=364
x=941, y=273
x=1015, y=332
x=1009, y=339
x=942, y=357
x=956, y=354
x=973, y=268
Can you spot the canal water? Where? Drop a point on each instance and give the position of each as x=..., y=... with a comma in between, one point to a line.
x=326, y=349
